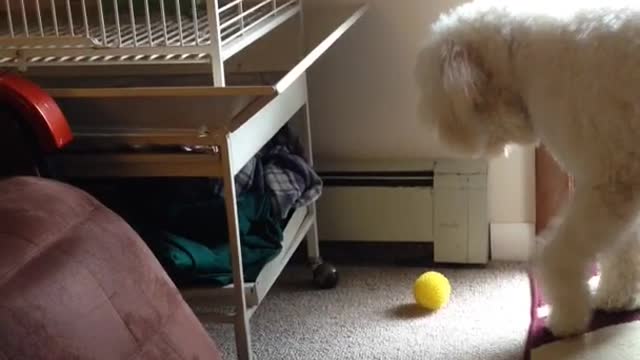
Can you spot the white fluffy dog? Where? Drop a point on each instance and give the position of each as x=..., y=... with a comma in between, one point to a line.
x=565, y=74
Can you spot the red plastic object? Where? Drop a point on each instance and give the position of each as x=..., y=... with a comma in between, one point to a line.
x=39, y=109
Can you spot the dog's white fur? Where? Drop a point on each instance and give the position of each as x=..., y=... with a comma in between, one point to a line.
x=567, y=75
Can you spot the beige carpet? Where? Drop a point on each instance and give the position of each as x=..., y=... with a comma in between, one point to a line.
x=371, y=316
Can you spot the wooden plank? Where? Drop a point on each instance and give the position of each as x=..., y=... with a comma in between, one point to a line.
x=92, y=138
x=136, y=165
x=169, y=91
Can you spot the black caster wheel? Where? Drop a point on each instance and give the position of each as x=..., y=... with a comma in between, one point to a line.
x=325, y=276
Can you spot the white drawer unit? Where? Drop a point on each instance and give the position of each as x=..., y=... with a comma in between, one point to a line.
x=460, y=214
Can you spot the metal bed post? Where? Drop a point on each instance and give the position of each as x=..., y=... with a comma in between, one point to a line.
x=217, y=64
x=313, y=243
x=241, y=316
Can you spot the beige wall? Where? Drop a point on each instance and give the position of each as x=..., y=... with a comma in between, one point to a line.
x=512, y=187
x=363, y=101
x=363, y=91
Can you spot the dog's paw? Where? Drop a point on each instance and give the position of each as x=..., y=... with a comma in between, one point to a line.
x=616, y=301
x=568, y=323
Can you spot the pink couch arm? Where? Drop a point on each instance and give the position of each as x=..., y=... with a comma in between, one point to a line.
x=76, y=282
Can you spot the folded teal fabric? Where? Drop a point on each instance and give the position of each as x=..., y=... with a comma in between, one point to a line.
x=193, y=245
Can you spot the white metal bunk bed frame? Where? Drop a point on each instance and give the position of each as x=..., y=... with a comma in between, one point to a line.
x=66, y=35
x=271, y=107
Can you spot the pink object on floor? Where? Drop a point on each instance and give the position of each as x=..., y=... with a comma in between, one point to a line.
x=539, y=335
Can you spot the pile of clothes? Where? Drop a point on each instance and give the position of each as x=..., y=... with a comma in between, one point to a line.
x=184, y=221
x=280, y=170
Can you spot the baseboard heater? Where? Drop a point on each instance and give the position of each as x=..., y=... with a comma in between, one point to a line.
x=378, y=178
x=376, y=206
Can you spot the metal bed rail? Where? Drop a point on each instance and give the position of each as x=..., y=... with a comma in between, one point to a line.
x=100, y=32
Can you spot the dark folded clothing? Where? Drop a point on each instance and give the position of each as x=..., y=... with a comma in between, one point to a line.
x=193, y=246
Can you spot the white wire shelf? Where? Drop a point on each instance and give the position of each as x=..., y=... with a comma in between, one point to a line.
x=70, y=33
x=293, y=234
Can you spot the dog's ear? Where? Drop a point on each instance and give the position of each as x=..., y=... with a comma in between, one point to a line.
x=462, y=73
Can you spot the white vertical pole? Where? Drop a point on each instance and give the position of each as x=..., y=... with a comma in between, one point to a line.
x=194, y=13
x=147, y=16
x=25, y=23
x=103, y=29
x=217, y=64
x=163, y=15
x=54, y=16
x=10, y=19
x=179, y=18
x=70, y=18
x=241, y=10
x=85, y=19
x=39, y=16
x=132, y=17
x=116, y=12
x=313, y=241
x=241, y=323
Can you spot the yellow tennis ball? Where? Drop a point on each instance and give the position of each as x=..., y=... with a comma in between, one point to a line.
x=432, y=290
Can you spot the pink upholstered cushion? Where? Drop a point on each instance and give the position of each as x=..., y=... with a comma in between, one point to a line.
x=76, y=282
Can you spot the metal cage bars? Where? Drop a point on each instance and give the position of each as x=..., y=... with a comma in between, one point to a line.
x=74, y=32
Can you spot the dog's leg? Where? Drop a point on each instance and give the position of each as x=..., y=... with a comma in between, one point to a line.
x=594, y=220
x=619, y=287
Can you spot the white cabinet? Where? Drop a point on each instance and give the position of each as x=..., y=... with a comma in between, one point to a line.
x=460, y=215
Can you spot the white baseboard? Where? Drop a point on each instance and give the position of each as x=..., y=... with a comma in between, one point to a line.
x=512, y=242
